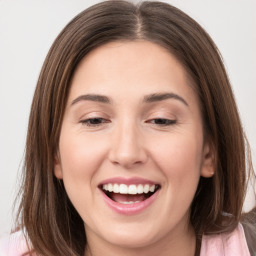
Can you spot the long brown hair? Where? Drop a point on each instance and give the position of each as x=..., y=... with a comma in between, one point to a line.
x=52, y=224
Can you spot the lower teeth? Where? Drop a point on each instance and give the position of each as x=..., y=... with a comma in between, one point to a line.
x=141, y=198
x=131, y=202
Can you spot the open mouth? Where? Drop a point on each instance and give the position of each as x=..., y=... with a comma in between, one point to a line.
x=129, y=194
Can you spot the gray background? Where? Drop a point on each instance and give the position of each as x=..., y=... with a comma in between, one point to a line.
x=28, y=28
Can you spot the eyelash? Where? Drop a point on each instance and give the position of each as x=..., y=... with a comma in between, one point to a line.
x=162, y=121
x=91, y=121
x=97, y=121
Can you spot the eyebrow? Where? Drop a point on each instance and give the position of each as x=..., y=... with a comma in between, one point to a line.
x=92, y=97
x=163, y=96
x=155, y=97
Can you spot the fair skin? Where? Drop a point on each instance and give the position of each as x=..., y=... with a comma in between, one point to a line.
x=131, y=133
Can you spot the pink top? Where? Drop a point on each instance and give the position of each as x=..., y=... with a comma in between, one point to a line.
x=13, y=245
x=231, y=244
x=228, y=244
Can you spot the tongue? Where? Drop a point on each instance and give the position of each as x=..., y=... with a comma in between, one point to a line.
x=120, y=198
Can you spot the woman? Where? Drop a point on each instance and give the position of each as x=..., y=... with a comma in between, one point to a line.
x=134, y=144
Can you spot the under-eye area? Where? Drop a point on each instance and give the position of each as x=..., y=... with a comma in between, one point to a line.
x=129, y=194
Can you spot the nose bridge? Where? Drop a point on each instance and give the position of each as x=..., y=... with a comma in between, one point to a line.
x=127, y=148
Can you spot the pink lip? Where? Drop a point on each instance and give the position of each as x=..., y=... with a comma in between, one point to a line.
x=128, y=209
x=128, y=181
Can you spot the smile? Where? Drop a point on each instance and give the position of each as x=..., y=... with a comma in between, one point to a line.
x=129, y=198
x=129, y=194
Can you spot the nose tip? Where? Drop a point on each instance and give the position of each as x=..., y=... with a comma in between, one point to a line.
x=127, y=160
x=127, y=150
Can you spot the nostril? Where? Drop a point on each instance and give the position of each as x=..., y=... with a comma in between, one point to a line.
x=127, y=160
x=127, y=151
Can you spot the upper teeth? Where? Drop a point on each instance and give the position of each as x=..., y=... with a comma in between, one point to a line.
x=129, y=189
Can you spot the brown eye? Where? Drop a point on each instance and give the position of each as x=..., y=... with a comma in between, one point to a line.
x=96, y=121
x=162, y=121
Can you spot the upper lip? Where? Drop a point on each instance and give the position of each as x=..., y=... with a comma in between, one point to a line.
x=128, y=181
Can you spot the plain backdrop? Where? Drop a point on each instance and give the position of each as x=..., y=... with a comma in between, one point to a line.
x=27, y=30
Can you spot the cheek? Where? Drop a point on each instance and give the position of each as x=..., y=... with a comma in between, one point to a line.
x=80, y=155
x=180, y=159
x=80, y=160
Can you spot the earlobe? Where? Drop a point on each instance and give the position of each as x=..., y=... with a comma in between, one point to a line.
x=57, y=168
x=208, y=161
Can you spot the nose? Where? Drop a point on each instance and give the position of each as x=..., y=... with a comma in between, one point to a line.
x=127, y=148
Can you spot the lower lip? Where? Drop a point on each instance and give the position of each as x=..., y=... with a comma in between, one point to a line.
x=129, y=209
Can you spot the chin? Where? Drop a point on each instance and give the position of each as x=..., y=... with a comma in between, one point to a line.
x=130, y=238
x=131, y=241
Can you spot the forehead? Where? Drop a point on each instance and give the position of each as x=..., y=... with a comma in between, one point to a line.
x=140, y=67
x=128, y=55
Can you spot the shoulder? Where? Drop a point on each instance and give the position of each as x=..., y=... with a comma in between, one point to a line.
x=249, y=226
x=229, y=244
x=13, y=245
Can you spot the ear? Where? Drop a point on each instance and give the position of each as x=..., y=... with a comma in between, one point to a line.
x=57, y=167
x=208, y=160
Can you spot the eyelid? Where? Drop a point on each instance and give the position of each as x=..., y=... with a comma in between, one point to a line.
x=92, y=114
x=162, y=121
x=86, y=122
x=99, y=117
x=162, y=114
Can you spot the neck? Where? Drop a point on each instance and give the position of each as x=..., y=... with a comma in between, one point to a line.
x=177, y=243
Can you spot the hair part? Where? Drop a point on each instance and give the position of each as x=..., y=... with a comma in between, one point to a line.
x=52, y=224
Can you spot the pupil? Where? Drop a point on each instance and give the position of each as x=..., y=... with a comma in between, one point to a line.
x=160, y=121
x=95, y=120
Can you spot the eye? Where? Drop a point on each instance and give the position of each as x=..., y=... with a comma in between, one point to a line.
x=162, y=121
x=94, y=122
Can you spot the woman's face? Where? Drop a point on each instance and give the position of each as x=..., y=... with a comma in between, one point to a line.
x=132, y=125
